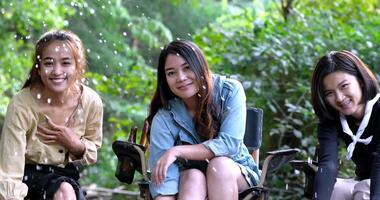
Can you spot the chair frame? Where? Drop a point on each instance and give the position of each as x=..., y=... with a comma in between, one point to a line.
x=252, y=139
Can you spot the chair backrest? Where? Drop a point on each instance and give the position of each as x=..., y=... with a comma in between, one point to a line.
x=253, y=131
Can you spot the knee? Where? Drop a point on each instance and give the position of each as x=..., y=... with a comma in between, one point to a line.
x=362, y=190
x=193, y=175
x=64, y=190
x=221, y=167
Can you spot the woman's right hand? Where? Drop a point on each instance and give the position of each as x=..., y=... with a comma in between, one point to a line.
x=162, y=165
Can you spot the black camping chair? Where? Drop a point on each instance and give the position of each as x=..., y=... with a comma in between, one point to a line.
x=131, y=158
x=310, y=168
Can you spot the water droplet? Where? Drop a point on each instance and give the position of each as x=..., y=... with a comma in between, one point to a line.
x=48, y=100
x=125, y=33
x=223, y=99
x=115, y=52
x=36, y=66
x=38, y=96
x=88, y=50
x=162, y=48
x=204, y=87
x=199, y=95
x=177, y=54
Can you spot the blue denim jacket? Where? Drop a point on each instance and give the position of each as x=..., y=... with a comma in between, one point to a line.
x=174, y=125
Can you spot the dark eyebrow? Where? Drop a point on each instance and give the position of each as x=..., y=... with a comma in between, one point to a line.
x=339, y=84
x=50, y=58
x=183, y=64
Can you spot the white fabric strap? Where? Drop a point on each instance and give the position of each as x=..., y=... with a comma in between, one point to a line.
x=363, y=124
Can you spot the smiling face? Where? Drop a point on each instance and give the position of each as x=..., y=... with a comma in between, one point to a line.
x=57, y=67
x=180, y=78
x=343, y=92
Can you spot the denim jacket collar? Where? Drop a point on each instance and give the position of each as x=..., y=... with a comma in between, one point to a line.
x=182, y=118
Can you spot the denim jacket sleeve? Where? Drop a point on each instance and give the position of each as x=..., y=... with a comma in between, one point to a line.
x=162, y=139
x=233, y=116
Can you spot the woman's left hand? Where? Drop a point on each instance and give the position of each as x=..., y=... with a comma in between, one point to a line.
x=162, y=165
x=59, y=134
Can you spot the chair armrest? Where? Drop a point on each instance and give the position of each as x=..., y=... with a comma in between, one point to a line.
x=310, y=168
x=275, y=160
x=130, y=158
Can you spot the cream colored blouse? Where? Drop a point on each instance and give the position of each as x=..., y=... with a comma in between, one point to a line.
x=20, y=145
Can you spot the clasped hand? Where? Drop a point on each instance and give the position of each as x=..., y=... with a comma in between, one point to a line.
x=57, y=134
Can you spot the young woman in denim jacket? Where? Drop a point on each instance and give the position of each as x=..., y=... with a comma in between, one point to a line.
x=197, y=129
x=345, y=97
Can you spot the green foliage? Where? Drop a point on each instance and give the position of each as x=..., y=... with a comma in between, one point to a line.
x=274, y=57
x=269, y=47
x=21, y=23
x=117, y=69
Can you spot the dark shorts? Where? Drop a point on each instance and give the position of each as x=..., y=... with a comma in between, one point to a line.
x=43, y=181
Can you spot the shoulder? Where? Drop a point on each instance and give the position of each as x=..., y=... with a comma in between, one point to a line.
x=222, y=82
x=22, y=99
x=162, y=115
x=90, y=97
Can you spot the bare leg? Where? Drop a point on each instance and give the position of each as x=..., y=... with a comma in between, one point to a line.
x=65, y=192
x=165, y=198
x=224, y=179
x=343, y=189
x=361, y=190
x=192, y=185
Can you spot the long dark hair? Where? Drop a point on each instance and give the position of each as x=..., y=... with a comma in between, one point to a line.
x=343, y=61
x=205, y=122
x=74, y=44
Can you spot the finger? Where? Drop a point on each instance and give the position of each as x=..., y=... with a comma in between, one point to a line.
x=52, y=124
x=46, y=130
x=154, y=175
x=162, y=174
x=45, y=136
